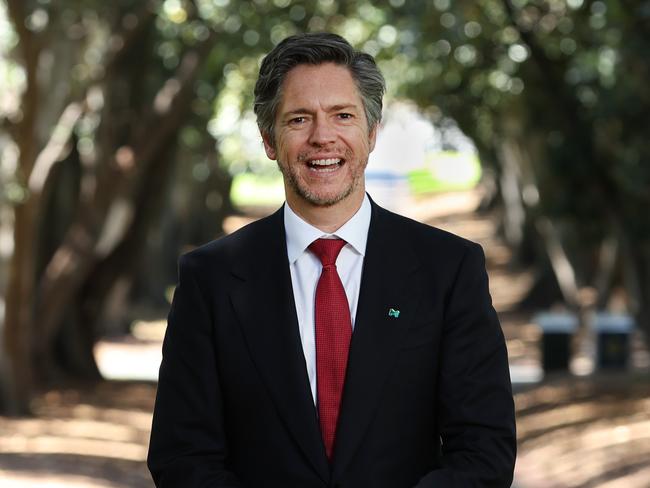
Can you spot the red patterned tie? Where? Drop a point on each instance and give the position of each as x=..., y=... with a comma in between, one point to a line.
x=333, y=333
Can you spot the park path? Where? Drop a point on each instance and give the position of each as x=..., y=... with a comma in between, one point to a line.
x=573, y=432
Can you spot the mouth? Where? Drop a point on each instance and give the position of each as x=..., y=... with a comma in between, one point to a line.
x=325, y=165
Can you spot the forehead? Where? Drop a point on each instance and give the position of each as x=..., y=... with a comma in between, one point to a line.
x=324, y=85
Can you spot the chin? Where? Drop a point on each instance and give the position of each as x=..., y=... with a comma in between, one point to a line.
x=325, y=199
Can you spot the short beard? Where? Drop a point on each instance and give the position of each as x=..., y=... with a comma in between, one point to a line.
x=312, y=198
x=309, y=196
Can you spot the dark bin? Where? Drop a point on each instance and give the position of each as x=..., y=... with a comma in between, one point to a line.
x=557, y=332
x=613, y=340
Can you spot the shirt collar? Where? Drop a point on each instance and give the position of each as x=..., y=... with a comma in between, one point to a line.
x=300, y=233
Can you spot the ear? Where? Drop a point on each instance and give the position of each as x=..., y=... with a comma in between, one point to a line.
x=269, y=146
x=372, y=138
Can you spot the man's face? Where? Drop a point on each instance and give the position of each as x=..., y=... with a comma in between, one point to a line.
x=322, y=141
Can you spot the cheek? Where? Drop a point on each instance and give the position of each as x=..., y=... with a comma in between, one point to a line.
x=358, y=142
x=288, y=147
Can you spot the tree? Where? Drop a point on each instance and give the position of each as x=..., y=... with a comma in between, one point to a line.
x=552, y=92
x=115, y=123
x=121, y=106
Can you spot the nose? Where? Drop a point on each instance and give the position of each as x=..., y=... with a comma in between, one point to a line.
x=322, y=132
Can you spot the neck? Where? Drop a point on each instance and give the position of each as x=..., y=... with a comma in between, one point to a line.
x=328, y=219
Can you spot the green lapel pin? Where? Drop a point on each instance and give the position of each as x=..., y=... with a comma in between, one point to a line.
x=393, y=313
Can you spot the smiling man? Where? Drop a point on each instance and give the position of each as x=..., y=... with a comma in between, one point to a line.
x=321, y=142
x=332, y=344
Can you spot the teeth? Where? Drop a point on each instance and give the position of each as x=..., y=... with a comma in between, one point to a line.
x=325, y=162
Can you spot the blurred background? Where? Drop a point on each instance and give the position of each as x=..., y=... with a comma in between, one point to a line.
x=127, y=137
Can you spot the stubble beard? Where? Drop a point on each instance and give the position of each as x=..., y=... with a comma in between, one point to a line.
x=291, y=177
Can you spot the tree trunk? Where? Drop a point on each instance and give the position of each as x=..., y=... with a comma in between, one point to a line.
x=102, y=224
x=17, y=377
x=122, y=264
x=39, y=306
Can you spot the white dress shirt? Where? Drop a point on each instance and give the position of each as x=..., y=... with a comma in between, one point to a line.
x=306, y=268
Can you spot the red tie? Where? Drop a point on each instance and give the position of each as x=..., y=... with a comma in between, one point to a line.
x=333, y=333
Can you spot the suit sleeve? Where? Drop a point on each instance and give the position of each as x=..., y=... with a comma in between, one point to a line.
x=188, y=445
x=475, y=404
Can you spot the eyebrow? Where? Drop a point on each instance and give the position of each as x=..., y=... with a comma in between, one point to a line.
x=333, y=108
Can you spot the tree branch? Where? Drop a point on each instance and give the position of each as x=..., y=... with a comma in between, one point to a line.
x=55, y=147
x=73, y=260
x=30, y=49
x=133, y=26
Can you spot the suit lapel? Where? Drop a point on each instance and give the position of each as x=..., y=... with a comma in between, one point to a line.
x=389, y=272
x=265, y=307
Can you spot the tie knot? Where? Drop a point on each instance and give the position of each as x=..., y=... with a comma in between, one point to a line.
x=327, y=250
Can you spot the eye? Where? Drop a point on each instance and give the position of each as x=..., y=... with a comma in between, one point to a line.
x=297, y=120
x=345, y=116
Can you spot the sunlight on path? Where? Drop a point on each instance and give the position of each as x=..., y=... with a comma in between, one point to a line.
x=92, y=437
x=120, y=360
x=12, y=480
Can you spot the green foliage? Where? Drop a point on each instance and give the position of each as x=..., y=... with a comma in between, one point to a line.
x=559, y=85
x=564, y=83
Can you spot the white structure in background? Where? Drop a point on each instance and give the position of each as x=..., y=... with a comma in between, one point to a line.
x=403, y=141
x=408, y=141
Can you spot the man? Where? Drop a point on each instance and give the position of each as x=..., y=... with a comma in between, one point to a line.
x=332, y=344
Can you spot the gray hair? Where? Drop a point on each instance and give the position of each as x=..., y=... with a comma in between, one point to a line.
x=314, y=49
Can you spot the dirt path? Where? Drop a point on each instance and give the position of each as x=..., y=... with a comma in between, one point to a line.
x=573, y=432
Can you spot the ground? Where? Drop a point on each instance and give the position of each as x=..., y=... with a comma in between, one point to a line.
x=574, y=431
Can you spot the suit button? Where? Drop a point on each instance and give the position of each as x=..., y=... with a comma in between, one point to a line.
x=337, y=485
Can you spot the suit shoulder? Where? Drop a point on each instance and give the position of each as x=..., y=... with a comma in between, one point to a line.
x=429, y=237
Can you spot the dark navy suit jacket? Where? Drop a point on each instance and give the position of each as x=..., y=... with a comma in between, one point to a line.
x=427, y=400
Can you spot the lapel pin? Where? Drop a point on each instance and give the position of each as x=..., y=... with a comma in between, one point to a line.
x=393, y=313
